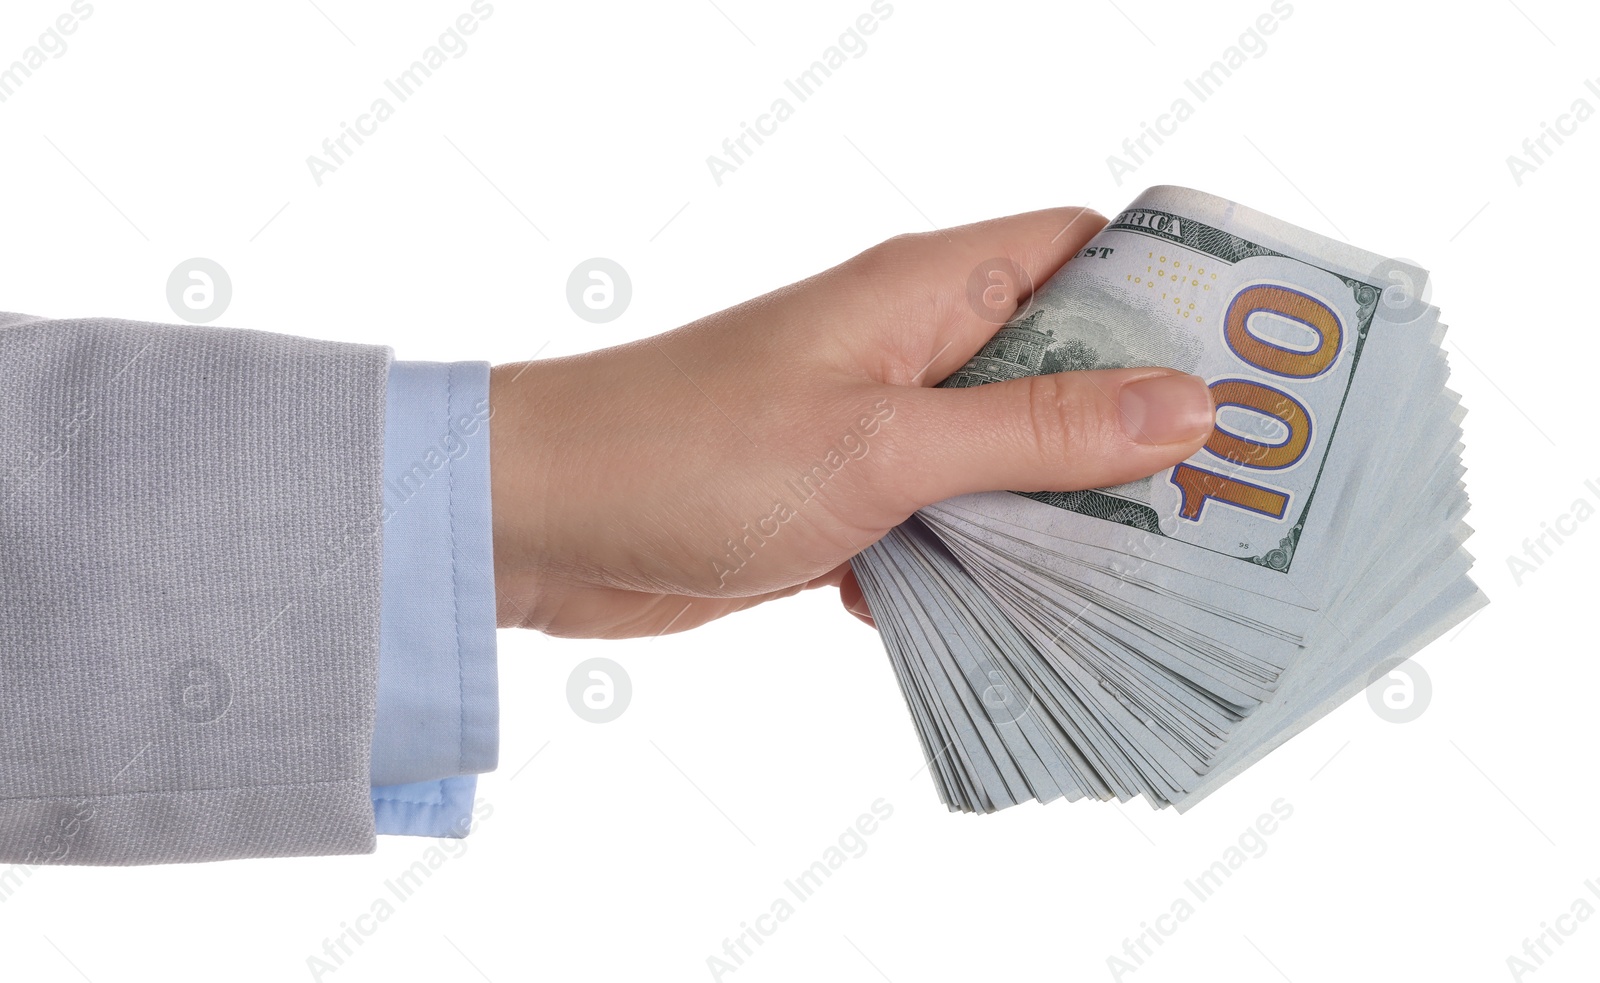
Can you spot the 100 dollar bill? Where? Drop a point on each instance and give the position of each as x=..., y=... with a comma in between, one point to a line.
x=1277, y=328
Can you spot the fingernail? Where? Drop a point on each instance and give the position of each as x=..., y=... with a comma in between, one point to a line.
x=1166, y=409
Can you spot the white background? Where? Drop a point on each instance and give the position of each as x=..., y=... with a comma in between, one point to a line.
x=630, y=850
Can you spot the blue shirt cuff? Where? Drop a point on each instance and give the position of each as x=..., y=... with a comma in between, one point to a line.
x=441, y=808
x=438, y=704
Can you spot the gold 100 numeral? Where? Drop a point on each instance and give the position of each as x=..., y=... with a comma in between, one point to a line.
x=1196, y=485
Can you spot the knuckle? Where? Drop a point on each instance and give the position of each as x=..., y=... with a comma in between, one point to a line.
x=908, y=241
x=1068, y=419
x=893, y=254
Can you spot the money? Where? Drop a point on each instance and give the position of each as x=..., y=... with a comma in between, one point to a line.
x=1157, y=638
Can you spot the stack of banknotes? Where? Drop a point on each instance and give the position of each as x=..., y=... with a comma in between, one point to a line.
x=1159, y=637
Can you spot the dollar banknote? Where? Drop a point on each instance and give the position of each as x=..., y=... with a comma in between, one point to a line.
x=1157, y=637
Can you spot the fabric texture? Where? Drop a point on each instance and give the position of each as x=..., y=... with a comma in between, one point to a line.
x=438, y=710
x=437, y=808
x=189, y=592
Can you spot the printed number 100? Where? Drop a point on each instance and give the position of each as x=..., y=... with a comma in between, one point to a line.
x=1197, y=486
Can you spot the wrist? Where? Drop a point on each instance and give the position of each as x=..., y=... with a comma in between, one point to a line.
x=519, y=469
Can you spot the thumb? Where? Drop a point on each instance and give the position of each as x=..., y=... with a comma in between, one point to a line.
x=1061, y=432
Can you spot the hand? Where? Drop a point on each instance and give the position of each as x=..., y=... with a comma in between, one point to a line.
x=662, y=484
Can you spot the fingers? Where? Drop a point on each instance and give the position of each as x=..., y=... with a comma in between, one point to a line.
x=854, y=600
x=976, y=276
x=1059, y=432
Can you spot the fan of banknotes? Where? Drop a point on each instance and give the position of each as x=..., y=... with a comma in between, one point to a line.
x=1159, y=637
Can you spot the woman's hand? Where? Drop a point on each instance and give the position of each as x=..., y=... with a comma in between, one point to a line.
x=662, y=484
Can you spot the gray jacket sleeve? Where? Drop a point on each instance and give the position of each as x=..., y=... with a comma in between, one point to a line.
x=190, y=560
